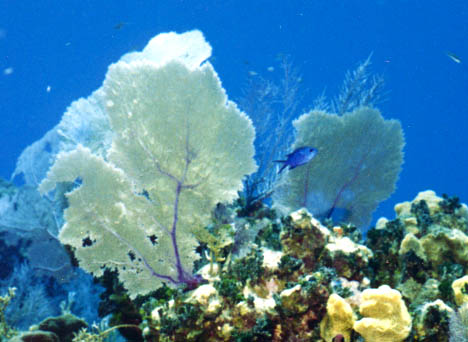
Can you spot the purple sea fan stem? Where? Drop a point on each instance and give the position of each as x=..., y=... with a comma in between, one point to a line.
x=180, y=270
x=182, y=276
x=348, y=183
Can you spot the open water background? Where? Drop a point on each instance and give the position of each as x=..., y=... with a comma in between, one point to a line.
x=67, y=45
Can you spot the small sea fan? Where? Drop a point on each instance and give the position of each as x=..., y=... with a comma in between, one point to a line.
x=357, y=165
x=459, y=325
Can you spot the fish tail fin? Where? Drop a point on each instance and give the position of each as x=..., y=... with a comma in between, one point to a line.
x=282, y=168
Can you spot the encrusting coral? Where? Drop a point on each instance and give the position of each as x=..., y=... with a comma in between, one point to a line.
x=424, y=254
x=428, y=240
x=347, y=257
x=432, y=321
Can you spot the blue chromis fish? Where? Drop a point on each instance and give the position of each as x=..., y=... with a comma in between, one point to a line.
x=298, y=157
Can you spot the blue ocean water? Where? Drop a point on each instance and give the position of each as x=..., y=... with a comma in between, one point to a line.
x=55, y=52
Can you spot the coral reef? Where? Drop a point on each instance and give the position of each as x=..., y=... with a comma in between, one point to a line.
x=294, y=279
x=315, y=282
x=319, y=281
x=136, y=170
x=266, y=295
x=6, y=331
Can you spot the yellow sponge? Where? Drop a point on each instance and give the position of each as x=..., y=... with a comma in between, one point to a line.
x=458, y=286
x=386, y=316
x=338, y=320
